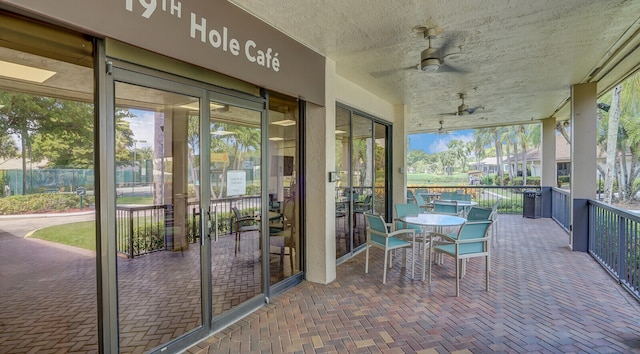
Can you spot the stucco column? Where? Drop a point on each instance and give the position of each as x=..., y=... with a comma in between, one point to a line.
x=320, y=230
x=583, y=160
x=549, y=166
x=399, y=157
x=548, y=176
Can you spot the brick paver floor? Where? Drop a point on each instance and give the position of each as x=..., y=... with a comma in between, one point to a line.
x=543, y=298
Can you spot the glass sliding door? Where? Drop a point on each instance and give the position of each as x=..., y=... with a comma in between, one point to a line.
x=157, y=177
x=381, y=184
x=236, y=203
x=343, y=185
x=284, y=197
x=362, y=159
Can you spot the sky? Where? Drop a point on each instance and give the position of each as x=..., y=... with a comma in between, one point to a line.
x=142, y=127
x=433, y=143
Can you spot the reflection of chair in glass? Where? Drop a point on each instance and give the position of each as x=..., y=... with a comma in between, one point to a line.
x=471, y=241
x=378, y=235
x=342, y=229
x=360, y=208
x=243, y=223
x=285, y=238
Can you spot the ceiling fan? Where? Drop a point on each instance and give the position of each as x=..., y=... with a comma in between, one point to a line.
x=463, y=109
x=441, y=130
x=431, y=59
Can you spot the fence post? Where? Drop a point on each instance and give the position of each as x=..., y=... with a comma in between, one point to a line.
x=130, y=233
x=622, y=259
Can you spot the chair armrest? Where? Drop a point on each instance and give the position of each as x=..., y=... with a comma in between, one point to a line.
x=472, y=240
x=402, y=231
x=444, y=236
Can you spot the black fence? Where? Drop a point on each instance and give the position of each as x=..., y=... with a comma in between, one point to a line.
x=143, y=229
x=511, y=197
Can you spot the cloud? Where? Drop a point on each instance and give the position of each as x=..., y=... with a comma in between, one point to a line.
x=441, y=141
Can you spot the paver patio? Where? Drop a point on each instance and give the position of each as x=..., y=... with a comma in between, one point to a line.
x=543, y=298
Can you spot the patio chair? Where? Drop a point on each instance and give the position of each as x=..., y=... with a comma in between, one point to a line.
x=410, y=197
x=285, y=238
x=243, y=223
x=477, y=213
x=471, y=241
x=402, y=210
x=446, y=196
x=494, y=218
x=446, y=207
x=424, y=204
x=378, y=235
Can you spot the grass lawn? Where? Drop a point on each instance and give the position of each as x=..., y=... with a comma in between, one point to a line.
x=431, y=179
x=135, y=200
x=78, y=234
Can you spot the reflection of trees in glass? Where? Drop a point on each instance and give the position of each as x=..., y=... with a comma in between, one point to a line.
x=52, y=129
x=58, y=131
x=239, y=143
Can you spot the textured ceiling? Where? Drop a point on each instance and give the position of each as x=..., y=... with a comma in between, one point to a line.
x=518, y=61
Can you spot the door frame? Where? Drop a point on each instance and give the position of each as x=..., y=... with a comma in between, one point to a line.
x=108, y=72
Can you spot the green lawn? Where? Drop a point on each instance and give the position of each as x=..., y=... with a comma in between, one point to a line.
x=135, y=200
x=431, y=179
x=78, y=234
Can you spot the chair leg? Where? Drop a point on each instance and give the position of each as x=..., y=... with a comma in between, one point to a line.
x=424, y=260
x=488, y=265
x=366, y=259
x=457, y=277
x=430, y=261
x=384, y=273
x=237, y=245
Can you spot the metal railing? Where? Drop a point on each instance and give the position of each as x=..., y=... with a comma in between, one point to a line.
x=511, y=197
x=144, y=229
x=140, y=229
x=614, y=241
x=561, y=207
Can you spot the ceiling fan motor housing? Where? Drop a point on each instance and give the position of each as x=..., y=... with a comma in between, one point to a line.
x=430, y=61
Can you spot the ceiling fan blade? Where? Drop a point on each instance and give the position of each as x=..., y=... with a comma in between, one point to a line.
x=383, y=73
x=446, y=68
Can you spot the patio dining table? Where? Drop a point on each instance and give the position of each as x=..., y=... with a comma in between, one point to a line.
x=431, y=220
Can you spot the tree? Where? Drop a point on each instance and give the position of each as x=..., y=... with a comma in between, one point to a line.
x=495, y=132
x=8, y=147
x=456, y=147
x=612, y=143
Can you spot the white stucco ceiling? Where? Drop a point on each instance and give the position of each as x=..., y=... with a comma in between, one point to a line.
x=519, y=57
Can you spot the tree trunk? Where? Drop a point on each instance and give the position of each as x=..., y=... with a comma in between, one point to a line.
x=158, y=159
x=498, y=143
x=612, y=142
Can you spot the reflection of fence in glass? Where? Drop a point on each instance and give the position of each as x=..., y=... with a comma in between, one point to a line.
x=144, y=229
x=49, y=180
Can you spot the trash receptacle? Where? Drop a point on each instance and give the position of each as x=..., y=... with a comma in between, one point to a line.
x=532, y=201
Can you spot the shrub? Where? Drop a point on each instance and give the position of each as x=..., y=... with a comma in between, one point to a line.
x=42, y=203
